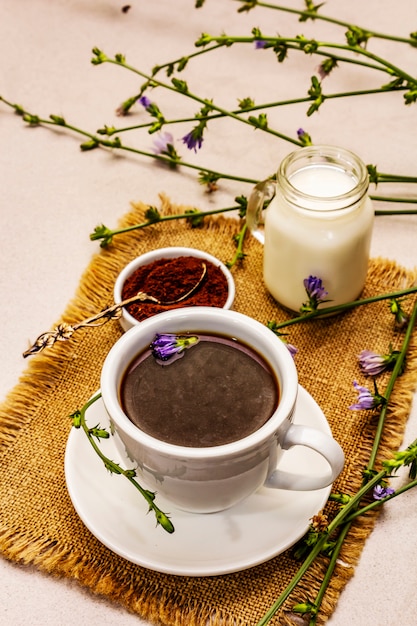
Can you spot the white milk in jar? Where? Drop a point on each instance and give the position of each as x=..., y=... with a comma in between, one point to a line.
x=318, y=224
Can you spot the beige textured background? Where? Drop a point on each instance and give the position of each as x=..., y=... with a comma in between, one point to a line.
x=53, y=196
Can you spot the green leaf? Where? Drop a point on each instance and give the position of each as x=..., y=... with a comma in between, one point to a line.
x=246, y=103
x=242, y=201
x=410, y=96
x=104, y=233
x=33, y=120
x=259, y=122
x=76, y=419
x=180, y=85
x=182, y=64
x=195, y=217
x=57, y=119
x=106, y=130
x=89, y=145
x=281, y=50
x=356, y=36
x=152, y=214
x=204, y=40
x=99, y=57
x=373, y=174
x=248, y=5
x=309, y=46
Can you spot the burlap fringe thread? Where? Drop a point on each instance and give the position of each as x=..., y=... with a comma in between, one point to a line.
x=153, y=600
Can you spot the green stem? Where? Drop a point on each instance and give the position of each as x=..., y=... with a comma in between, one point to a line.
x=293, y=584
x=313, y=15
x=399, y=211
x=344, y=307
x=351, y=506
x=376, y=503
x=341, y=59
x=171, y=64
x=398, y=367
x=317, y=548
x=329, y=572
x=115, y=468
x=389, y=67
x=164, y=218
x=347, y=521
x=196, y=98
x=219, y=175
x=270, y=105
x=395, y=178
x=118, y=146
x=394, y=199
x=160, y=157
x=239, y=254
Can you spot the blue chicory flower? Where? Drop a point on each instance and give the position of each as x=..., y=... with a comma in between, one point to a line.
x=367, y=399
x=304, y=137
x=316, y=294
x=162, y=142
x=326, y=67
x=380, y=492
x=166, y=346
x=292, y=349
x=314, y=288
x=145, y=102
x=193, y=140
x=321, y=70
x=373, y=364
x=260, y=44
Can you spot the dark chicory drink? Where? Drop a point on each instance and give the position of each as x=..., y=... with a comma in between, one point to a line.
x=219, y=391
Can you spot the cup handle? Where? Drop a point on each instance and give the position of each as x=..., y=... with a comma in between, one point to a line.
x=263, y=192
x=325, y=445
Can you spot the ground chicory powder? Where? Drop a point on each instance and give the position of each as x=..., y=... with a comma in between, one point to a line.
x=169, y=279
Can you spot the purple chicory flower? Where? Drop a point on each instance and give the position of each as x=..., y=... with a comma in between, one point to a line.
x=260, y=44
x=366, y=399
x=292, y=349
x=304, y=137
x=316, y=294
x=373, y=364
x=321, y=71
x=380, y=492
x=145, y=102
x=326, y=67
x=314, y=288
x=162, y=142
x=194, y=139
x=166, y=346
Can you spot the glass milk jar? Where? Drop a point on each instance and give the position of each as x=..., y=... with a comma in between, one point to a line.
x=319, y=223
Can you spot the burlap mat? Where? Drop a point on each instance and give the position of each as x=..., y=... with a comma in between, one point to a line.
x=38, y=523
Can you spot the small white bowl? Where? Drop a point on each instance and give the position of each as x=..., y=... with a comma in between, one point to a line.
x=127, y=320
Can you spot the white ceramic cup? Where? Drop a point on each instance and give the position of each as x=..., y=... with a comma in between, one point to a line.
x=209, y=479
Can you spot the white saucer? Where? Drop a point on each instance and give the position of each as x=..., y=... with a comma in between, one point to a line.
x=250, y=533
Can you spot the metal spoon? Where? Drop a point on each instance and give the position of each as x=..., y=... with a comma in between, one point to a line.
x=64, y=331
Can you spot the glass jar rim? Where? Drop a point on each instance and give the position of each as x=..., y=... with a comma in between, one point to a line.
x=344, y=159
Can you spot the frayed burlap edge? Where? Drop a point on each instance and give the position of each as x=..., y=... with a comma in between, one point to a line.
x=155, y=604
